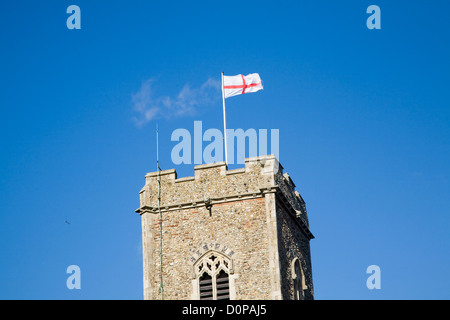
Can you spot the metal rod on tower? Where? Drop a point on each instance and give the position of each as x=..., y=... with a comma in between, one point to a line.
x=161, y=288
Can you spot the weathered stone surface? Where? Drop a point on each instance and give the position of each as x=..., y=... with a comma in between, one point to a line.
x=253, y=217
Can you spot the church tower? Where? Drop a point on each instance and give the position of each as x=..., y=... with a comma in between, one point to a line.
x=226, y=234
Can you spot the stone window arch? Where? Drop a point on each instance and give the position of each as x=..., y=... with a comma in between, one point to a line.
x=298, y=279
x=212, y=277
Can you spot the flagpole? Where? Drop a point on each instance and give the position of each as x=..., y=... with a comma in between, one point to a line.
x=224, y=124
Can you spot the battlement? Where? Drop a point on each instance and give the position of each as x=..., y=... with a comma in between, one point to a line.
x=270, y=163
x=210, y=181
x=213, y=184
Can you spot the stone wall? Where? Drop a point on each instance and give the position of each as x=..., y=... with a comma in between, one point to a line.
x=293, y=243
x=233, y=212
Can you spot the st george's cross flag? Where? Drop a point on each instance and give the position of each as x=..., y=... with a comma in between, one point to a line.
x=232, y=86
x=240, y=84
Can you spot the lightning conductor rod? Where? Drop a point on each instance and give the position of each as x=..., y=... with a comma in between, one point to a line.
x=158, y=169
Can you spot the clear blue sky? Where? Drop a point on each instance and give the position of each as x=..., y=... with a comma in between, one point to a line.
x=364, y=118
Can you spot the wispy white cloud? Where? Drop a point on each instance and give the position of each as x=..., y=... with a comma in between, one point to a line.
x=148, y=106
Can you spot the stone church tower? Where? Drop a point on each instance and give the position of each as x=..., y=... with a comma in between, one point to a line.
x=226, y=234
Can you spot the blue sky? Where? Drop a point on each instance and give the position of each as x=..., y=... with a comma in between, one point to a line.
x=363, y=115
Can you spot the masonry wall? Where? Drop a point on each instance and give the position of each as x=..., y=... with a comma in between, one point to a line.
x=234, y=212
x=238, y=230
x=293, y=243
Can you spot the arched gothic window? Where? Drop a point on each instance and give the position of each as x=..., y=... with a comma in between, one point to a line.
x=298, y=279
x=212, y=272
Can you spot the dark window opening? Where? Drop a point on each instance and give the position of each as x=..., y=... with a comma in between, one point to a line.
x=206, y=288
x=222, y=286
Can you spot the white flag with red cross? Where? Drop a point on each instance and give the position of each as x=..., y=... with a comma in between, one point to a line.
x=240, y=84
x=232, y=86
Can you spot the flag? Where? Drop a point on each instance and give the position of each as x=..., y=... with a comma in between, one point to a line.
x=234, y=85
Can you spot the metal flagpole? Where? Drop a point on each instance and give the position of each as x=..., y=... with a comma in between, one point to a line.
x=224, y=124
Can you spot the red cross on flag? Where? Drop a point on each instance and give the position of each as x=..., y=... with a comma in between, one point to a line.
x=234, y=85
